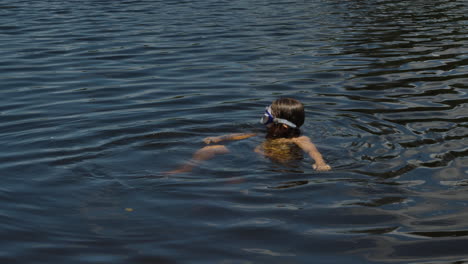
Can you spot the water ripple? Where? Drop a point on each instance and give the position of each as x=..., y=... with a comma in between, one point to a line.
x=99, y=98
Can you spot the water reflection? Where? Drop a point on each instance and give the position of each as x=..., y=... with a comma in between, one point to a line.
x=410, y=87
x=99, y=98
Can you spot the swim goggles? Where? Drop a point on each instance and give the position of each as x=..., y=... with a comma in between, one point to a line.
x=268, y=118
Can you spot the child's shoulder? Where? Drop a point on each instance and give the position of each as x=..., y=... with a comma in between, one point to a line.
x=300, y=139
x=296, y=140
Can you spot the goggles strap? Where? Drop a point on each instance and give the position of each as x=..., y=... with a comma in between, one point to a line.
x=284, y=121
x=269, y=118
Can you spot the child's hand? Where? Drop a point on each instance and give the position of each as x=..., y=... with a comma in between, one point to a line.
x=321, y=167
x=209, y=140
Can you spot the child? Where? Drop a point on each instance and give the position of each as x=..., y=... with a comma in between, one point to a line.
x=282, y=120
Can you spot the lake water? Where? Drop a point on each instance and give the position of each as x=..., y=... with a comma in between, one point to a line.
x=98, y=98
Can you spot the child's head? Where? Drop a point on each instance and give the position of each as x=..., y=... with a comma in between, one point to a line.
x=287, y=116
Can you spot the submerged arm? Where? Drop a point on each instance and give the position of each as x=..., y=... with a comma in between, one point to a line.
x=208, y=152
x=305, y=144
x=238, y=136
x=201, y=155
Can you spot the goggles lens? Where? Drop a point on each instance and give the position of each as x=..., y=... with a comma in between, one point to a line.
x=267, y=117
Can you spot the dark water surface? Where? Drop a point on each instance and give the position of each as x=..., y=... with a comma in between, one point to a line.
x=98, y=98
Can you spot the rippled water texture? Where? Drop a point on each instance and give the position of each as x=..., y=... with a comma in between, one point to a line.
x=98, y=98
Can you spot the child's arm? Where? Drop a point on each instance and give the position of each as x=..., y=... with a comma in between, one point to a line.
x=205, y=153
x=239, y=136
x=305, y=144
x=208, y=152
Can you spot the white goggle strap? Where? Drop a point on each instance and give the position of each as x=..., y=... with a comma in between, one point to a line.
x=284, y=121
